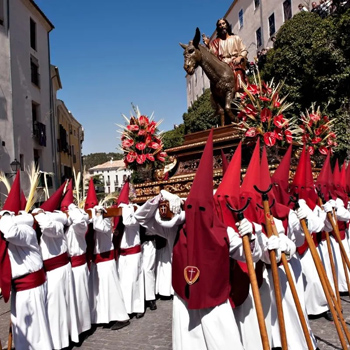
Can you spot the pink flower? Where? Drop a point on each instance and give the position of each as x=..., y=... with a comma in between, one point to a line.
x=318, y=131
x=154, y=145
x=288, y=135
x=265, y=115
x=269, y=138
x=266, y=88
x=150, y=157
x=330, y=142
x=142, y=132
x=242, y=115
x=315, y=117
x=311, y=150
x=148, y=139
x=332, y=135
x=161, y=156
x=140, y=146
x=151, y=128
x=305, y=138
x=143, y=120
x=141, y=158
x=127, y=143
x=278, y=134
x=250, y=110
x=264, y=98
x=251, y=132
x=326, y=119
x=316, y=140
x=323, y=150
x=253, y=89
x=133, y=127
x=279, y=120
x=277, y=104
x=131, y=156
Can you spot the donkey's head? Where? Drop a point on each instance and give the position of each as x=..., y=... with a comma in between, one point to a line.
x=192, y=54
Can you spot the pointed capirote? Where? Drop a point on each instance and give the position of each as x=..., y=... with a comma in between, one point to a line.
x=54, y=202
x=68, y=197
x=91, y=197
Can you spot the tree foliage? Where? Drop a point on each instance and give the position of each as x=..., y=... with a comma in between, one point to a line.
x=94, y=159
x=200, y=116
x=174, y=138
x=311, y=56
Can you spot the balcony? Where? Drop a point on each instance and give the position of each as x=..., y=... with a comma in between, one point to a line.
x=39, y=133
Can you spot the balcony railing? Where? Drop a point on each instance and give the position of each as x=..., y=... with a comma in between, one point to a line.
x=39, y=133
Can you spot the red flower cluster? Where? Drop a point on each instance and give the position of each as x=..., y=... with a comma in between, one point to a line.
x=317, y=132
x=261, y=114
x=140, y=143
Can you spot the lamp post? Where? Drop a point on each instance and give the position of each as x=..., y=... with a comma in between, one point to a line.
x=15, y=166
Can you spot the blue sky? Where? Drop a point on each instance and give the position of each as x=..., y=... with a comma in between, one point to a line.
x=112, y=53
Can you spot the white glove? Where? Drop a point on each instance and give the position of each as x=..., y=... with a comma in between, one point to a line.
x=301, y=213
x=99, y=208
x=3, y=212
x=284, y=246
x=273, y=242
x=245, y=227
x=42, y=218
x=339, y=203
x=174, y=201
x=6, y=222
x=37, y=210
x=59, y=216
x=24, y=219
x=327, y=207
x=332, y=203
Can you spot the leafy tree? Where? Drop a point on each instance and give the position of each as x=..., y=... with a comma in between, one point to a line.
x=311, y=55
x=174, y=138
x=201, y=115
x=94, y=159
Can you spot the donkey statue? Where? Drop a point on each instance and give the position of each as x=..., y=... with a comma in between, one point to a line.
x=222, y=79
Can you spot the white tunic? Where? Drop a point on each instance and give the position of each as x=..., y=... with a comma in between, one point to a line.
x=212, y=328
x=76, y=242
x=148, y=267
x=130, y=266
x=106, y=298
x=62, y=309
x=28, y=308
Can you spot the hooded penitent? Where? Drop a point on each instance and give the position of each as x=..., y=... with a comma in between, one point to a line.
x=12, y=203
x=91, y=197
x=117, y=221
x=68, y=197
x=201, y=254
x=324, y=182
x=303, y=183
x=280, y=179
x=224, y=162
x=339, y=183
x=54, y=202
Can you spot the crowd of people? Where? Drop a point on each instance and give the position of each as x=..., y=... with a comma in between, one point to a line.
x=66, y=269
x=326, y=7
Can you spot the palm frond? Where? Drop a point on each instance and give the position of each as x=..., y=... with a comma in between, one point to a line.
x=34, y=175
x=5, y=181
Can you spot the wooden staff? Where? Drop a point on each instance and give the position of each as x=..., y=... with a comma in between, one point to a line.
x=274, y=268
x=333, y=304
x=253, y=280
x=294, y=292
x=9, y=343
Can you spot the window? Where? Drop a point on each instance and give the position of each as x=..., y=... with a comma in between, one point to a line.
x=256, y=3
x=287, y=9
x=2, y=12
x=272, y=24
x=34, y=68
x=35, y=112
x=21, y=161
x=258, y=38
x=32, y=34
x=240, y=17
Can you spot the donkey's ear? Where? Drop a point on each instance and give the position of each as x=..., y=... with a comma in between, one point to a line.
x=183, y=46
x=197, y=38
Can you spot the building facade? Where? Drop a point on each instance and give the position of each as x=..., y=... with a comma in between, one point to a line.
x=113, y=173
x=256, y=22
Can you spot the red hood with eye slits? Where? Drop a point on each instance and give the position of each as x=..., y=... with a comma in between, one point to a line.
x=202, y=243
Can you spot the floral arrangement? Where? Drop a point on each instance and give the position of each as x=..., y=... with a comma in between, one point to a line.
x=261, y=114
x=317, y=131
x=140, y=142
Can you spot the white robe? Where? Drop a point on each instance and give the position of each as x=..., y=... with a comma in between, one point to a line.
x=130, y=266
x=62, y=310
x=106, y=298
x=76, y=243
x=28, y=308
x=212, y=328
x=148, y=267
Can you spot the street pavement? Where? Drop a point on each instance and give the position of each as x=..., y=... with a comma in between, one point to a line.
x=153, y=331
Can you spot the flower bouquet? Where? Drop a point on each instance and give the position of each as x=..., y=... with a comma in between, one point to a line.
x=142, y=146
x=262, y=114
x=317, y=131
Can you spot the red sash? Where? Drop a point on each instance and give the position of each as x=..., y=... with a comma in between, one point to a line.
x=78, y=260
x=56, y=262
x=128, y=251
x=30, y=281
x=105, y=256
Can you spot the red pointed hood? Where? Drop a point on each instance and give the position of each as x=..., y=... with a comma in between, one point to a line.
x=202, y=243
x=123, y=198
x=340, y=183
x=23, y=201
x=53, y=203
x=224, y=163
x=252, y=177
x=12, y=203
x=324, y=181
x=348, y=178
x=91, y=197
x=336, y=173
x=229, y=188
x=278, y=210
x=68, y=197
x=280, y=179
